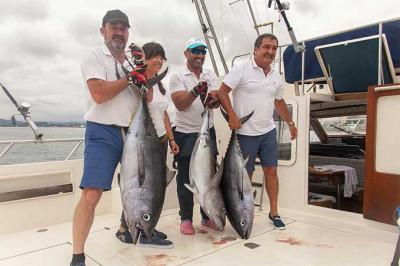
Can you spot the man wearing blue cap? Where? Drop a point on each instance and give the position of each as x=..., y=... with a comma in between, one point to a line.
x=189, y=89
x=110, y=103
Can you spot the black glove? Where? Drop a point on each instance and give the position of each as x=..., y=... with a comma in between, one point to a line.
x=200, y=89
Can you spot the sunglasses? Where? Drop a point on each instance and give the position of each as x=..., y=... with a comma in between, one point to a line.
x=198, y=51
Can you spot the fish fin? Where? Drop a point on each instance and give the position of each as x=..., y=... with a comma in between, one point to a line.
x=192, y=188
x=169, y=175
x=240, y=192
x=246, y=160
x=245, y=118
x=242, y=120
x=224, y=114
x=135, y=232
x=141, y=170
x=218, y=175
x=239, y=186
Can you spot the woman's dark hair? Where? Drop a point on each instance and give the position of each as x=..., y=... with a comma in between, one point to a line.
x=152, y=49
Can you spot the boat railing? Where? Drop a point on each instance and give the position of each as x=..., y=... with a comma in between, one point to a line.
x=10, y=143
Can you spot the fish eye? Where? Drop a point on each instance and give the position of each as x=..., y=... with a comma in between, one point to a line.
x=242, y=222
x=223, y=211
x=146, y=217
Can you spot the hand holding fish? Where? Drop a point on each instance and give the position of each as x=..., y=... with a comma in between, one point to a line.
x=173, y=146
x=234, y=122
x=200, y=89
x=136, y=77
x=212, y=100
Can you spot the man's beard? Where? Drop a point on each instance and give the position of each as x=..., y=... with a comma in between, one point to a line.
x=196, y=64
x=116, y=45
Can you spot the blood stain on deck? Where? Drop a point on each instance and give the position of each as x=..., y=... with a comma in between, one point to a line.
x=158, y=260
x=201, y=231
x=220, y=242
x=229, y=238
x=291, y=241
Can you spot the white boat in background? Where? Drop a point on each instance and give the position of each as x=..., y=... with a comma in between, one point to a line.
x=340, y=122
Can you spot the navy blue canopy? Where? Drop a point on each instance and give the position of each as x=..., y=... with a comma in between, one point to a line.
x=292, y=60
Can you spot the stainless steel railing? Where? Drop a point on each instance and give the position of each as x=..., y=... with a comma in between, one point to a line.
x=11, y=143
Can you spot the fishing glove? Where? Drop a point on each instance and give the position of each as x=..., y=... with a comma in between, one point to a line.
x=137, y=78
x=200, y=89
x=137, y=54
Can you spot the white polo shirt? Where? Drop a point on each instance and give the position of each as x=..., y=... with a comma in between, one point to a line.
x=100, y=64
x=252, y=90
x=189, y=120
x=157, y=107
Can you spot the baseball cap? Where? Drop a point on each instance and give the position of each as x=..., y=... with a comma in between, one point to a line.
x=114, y=16
x=195, y=42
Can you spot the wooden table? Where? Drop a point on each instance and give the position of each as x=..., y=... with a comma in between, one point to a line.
x=334, y=179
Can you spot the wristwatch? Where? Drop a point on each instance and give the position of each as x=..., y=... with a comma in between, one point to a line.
x=291, y=123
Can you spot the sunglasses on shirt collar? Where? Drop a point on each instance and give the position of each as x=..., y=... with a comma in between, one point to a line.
x=198, y=51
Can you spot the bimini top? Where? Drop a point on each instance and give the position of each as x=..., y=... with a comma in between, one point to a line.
x=292, y=60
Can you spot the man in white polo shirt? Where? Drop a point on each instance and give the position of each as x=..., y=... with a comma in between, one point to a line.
x=256, y=87
x=188, y=89
x=110, y=102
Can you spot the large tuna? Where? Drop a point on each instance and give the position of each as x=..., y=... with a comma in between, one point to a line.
x=204, y=180
x=236, y=187
x=143, y=174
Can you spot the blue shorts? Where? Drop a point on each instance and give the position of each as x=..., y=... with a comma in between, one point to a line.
x=103, y=152
x=265, y=146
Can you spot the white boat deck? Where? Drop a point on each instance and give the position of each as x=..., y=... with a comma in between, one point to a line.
x=308, y=240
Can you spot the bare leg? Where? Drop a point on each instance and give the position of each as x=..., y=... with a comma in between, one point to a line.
x=272, y=187
x=83, y=218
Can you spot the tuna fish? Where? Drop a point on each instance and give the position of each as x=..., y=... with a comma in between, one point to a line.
x=204, y=180
x=143, y=174
x=236, y=187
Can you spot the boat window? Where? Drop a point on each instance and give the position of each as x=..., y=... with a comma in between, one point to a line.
x=286, y=147
x=344, y=125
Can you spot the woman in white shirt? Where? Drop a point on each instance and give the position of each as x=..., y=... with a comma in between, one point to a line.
x=156, y=96
x=158, y=104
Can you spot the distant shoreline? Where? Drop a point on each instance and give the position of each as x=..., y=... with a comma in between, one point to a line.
x=8, y=123
x=70, y=126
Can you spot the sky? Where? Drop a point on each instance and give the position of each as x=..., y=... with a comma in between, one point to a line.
x=42, y=42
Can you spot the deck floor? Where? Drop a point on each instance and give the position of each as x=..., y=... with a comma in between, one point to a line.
x=307, y=242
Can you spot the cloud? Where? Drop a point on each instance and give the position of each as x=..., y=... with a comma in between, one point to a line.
x=23, y=10
x=306, y=7
x=43, y=41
